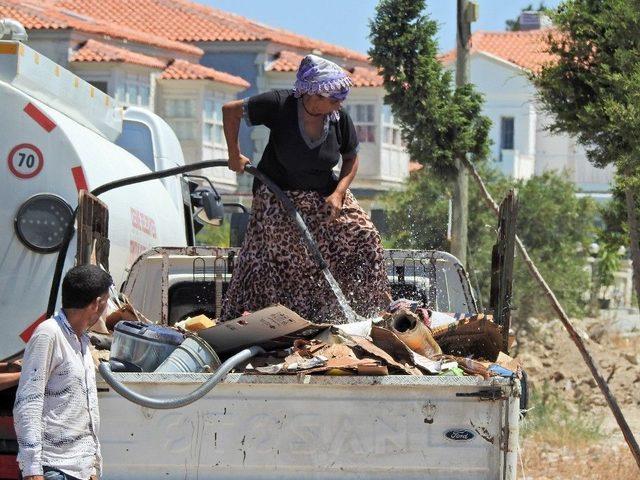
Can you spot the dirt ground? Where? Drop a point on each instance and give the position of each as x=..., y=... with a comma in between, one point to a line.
x=555, y=366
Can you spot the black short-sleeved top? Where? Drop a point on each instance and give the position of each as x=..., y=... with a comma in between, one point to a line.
x=291, y=159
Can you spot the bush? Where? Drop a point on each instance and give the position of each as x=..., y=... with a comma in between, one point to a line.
x=553, y=223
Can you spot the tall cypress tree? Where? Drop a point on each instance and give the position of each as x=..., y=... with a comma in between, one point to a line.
x=439, y=122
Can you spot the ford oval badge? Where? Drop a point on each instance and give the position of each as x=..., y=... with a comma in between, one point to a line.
x=459, y=435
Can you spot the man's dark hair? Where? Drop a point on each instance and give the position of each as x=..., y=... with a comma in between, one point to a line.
x=81, y=285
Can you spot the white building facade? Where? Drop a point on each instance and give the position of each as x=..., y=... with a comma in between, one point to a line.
x=522, y=145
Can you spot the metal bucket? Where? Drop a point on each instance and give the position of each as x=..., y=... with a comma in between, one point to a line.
x=193, y=355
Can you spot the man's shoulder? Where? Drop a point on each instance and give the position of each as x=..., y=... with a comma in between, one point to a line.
x=50, y=327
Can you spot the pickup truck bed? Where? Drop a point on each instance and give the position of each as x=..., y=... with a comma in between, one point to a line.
x=321, y=427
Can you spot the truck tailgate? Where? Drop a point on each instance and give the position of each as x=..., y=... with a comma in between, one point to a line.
x=292, y=427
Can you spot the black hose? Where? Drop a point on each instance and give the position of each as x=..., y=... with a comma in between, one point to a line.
x=68, y=234
x=293, y=213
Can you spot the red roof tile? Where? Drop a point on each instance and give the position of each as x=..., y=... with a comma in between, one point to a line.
x=287, y=61
x=188, y=21
x=525, y=49
x=183, y=70
x=46, y=15
x=365, y=77
x=30, y=15
x=94, y=51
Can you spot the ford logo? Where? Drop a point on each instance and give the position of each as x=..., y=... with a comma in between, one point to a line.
x=459, y=435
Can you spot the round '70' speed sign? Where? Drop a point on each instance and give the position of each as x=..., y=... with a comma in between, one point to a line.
x=25, y=160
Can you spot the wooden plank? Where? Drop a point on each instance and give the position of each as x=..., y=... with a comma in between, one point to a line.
x=502, y=266
x=93, y=231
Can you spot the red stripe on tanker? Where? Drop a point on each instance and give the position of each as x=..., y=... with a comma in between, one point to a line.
x=79, y=178
x=26, y=334
x=39, y=117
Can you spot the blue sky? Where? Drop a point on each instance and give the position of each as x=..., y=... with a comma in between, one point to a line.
x=346, y=22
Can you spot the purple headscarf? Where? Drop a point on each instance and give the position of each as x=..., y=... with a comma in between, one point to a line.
x=318, y=76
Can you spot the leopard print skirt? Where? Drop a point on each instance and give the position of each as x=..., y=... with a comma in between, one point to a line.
x=274, y=266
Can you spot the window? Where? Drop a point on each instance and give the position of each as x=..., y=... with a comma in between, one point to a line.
x=390, y=131
x=363, y=117
x=132, y=93
x=179, y=108
x=180, y=114
x=134, y=90
x=506, y=133
x=145, y=94
x=212, y=131
x=136, y=139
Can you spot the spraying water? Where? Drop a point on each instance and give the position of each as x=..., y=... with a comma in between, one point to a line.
x=349, y=314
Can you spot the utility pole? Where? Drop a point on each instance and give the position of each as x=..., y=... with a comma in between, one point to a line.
x=466, y=14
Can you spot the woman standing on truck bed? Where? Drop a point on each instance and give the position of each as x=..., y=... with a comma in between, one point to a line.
x=309, y=133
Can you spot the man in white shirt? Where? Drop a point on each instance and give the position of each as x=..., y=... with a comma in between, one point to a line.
x=56, y=409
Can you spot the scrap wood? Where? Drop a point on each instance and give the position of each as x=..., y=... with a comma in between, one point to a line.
x=470, y=366
x=325, y=358
x=476, y=335
x=307, y=348
x=371, y=349
x=505, y=361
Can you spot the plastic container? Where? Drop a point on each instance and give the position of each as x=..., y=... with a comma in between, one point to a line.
x=140, y=347
x=194, y=355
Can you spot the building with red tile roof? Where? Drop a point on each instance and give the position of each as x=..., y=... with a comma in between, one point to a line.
x=45, y=15
x=527, y=50
x=183, y=70
x=522, y=146
x=184, y=59
x=187, y=21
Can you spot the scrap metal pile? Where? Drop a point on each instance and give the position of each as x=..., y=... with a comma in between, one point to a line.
x=406, y=340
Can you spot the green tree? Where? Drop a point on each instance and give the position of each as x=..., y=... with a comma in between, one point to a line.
x=592, y=89
x=439, y=122
x=553, y=222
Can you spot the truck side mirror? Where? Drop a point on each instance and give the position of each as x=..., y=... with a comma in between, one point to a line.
x=213, y=208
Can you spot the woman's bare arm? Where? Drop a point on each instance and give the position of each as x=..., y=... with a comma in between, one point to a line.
x=347, y=174
x=231, y=118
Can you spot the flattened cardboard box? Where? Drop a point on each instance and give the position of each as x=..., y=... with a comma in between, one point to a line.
x=271, y=328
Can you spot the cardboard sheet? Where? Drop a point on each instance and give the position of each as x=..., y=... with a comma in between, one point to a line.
x=271, y=328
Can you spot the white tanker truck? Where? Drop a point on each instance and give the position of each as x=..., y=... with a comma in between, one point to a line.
x=60, y=135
